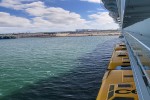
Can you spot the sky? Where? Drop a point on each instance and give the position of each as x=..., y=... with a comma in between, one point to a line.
x=53, y=15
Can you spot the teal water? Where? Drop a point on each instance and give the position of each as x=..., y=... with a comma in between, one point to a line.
x=44, y=67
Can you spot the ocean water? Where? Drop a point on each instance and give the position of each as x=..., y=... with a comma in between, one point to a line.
x=60, y=68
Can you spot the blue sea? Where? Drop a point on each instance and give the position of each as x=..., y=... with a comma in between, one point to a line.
x=59, y=68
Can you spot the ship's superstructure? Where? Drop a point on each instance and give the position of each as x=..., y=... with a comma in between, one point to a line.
x=133, y=17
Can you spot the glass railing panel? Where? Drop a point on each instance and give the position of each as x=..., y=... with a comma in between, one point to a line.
x=141, y=50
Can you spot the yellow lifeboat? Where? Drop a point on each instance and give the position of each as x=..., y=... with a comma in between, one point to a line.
x=119, y=59
x=118, y=85
x=118, y=82
x=120, y=46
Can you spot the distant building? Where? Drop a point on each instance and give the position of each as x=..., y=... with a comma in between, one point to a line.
x=85, y=30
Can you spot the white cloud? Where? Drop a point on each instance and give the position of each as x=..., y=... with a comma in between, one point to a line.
x=49, y=18
x=51, y=15
x=62, y=22
x=8, y=20
x=59, y=22
x=101, y=17
x=56, y=15
x=102, y=20
x=10, y=4
x=92, y=1
x=18, y=5
x=102, y=9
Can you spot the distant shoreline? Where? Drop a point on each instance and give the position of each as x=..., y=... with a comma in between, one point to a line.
x=60, y=34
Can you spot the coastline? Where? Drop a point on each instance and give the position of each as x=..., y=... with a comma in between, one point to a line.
x=59, y=34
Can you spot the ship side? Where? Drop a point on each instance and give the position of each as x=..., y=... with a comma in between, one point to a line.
x=133, y=17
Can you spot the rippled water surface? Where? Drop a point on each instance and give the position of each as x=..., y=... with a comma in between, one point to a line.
x=62, y=68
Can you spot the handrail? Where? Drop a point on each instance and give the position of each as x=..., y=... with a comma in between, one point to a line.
x=139, y=76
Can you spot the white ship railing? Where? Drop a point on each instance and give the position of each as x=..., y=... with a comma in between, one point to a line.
x=141, y=77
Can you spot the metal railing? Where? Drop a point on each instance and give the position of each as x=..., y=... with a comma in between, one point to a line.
x=139, y=55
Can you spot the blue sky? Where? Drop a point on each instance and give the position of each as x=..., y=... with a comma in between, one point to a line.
x=53, y=15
